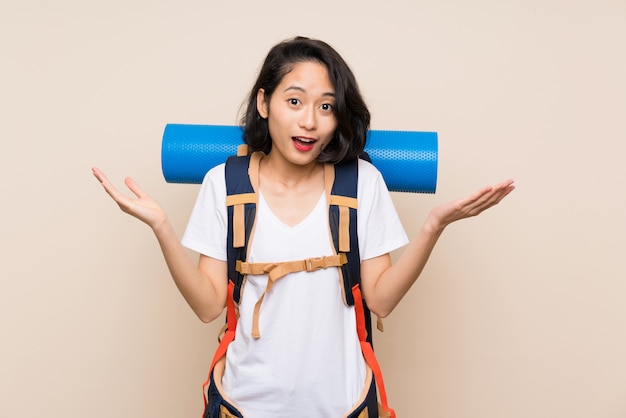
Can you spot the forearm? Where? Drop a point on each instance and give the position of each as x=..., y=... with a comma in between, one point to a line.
x=199, y=290
x=203, y=287
x=396, y=280
x=384, y=284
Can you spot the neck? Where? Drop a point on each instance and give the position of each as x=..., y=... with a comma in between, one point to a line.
x=290, y=175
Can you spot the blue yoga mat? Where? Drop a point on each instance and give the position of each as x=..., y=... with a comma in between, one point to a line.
x=406, y=159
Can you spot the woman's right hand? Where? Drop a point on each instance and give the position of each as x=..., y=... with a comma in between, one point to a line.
x=143, y=207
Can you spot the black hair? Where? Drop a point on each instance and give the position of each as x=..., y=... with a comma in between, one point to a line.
x=350, y=110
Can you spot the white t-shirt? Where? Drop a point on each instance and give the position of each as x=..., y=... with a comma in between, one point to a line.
x=308, y=361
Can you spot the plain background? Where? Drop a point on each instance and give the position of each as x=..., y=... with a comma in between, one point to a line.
x=520, y=312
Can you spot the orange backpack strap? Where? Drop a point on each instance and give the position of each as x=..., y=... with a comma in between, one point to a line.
x=227, y=338
x=242, y=181
x=368, y=353
x=343, y=208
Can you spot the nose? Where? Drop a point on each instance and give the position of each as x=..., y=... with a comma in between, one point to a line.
x=308, y=119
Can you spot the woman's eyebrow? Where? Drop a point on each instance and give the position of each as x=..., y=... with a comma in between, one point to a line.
x=300, y=89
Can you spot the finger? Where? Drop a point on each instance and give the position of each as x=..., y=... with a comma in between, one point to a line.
x=479, y=196
x=98, y=174
x=486, y=198
x=501, y=190
x=493, y=189
x=504, y=184
x=108, y=187
x=133, y=186
x=102, y=178
x=492, y=197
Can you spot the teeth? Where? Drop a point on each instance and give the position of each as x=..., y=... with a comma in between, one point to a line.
x=304, y=140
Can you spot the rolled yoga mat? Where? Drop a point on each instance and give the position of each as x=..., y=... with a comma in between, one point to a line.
x=406, y=159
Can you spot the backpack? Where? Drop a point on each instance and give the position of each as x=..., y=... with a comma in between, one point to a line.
x=341, y=192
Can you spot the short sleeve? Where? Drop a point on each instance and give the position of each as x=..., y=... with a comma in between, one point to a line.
x=208, y=224
x=379, y=227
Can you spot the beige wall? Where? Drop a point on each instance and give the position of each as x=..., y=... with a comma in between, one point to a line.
x=520, y=312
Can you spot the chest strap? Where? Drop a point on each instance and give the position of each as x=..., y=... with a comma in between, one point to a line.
x=276, y=271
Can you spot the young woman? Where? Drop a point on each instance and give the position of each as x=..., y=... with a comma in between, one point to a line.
x=304, y=111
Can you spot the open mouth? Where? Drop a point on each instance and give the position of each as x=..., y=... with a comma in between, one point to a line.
x=303, y=143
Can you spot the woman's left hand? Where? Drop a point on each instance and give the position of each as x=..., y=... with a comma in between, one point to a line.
x=470, y=206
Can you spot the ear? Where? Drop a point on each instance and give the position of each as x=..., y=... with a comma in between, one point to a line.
x=262, y=104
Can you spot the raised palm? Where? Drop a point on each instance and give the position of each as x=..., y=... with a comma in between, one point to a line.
x=143, y=207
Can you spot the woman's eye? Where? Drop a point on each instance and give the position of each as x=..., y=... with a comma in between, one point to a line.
x=294, y=102
x=327, y=107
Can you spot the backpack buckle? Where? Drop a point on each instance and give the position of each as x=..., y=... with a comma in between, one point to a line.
x=315, y=263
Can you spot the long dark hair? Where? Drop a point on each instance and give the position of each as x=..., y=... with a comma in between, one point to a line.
x=351, y=112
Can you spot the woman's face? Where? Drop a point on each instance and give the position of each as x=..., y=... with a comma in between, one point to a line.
x=300, y=113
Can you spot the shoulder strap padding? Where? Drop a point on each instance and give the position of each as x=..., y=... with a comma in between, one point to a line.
x=342, y=216
x=241, y=199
